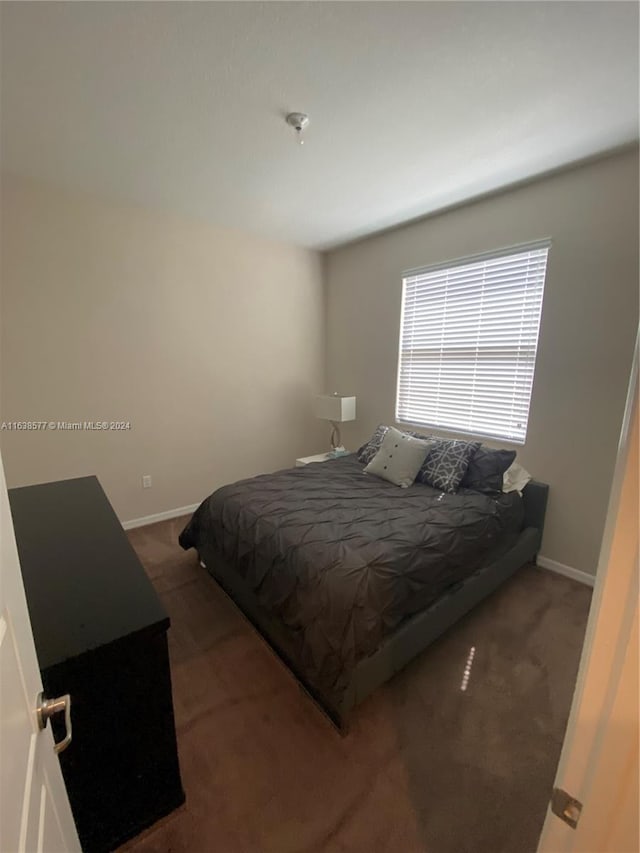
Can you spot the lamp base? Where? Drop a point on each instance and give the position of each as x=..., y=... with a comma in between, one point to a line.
x=335, y=436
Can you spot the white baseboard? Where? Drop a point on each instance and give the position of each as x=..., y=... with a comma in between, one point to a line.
x=159, y=516
x=567, y=571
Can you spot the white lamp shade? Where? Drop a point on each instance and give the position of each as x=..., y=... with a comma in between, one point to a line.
x=336, y=408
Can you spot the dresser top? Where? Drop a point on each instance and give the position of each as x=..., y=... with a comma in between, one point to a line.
x=85, y=586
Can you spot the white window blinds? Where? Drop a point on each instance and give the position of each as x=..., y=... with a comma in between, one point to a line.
x=468, y=341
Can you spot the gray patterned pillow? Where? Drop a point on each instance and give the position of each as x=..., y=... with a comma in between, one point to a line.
x=446, y=464
x=369, y=449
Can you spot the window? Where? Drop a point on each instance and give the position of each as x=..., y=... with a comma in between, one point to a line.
x=468, y=341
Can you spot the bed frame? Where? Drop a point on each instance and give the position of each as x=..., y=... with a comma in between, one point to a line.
x=415, y=634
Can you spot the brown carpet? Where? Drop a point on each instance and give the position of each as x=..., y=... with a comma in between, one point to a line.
x=426, y=766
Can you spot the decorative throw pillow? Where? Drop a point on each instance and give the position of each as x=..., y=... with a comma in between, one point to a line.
x=446, y=464
x=515, y=479
x=369, y=449
x=400, y=458
x=486, y=469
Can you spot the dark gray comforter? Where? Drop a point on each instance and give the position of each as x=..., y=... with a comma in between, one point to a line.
x=342, y=558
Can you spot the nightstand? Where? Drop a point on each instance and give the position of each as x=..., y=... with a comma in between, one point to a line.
x=319, y=457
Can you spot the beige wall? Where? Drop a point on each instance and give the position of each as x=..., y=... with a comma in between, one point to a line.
x=210, y=341
x=589, y=323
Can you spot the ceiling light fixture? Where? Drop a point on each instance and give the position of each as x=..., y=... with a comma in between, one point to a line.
x=299, y=122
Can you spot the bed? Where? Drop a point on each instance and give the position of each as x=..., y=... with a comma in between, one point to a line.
x=348, y=577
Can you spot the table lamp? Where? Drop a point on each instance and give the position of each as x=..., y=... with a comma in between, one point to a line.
x=337, y=410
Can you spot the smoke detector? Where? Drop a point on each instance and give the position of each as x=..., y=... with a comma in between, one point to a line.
x=299, y=122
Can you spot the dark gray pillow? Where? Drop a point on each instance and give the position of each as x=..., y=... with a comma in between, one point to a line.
x=447, y=463
x=486, y=469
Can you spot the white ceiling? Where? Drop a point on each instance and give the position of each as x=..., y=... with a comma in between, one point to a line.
x=414, y=106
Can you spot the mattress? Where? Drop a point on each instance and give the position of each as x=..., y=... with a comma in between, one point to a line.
x=342, y=558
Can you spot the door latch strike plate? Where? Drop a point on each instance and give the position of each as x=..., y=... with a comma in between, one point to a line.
x=566, y=807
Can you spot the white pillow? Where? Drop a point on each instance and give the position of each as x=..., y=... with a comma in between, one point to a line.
x=515, y=478
x=400, y=458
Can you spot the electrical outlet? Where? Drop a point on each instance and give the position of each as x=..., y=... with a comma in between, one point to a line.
x=146, y=481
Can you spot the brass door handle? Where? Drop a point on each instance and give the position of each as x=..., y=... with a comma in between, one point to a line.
x=47, y=708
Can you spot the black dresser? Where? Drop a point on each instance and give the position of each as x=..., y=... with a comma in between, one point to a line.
x=101, y=635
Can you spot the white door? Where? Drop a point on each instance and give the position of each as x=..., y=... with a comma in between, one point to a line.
x=34, y=809
x=599, y=762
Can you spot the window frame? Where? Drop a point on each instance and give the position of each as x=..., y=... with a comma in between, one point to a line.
x=542, y=243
